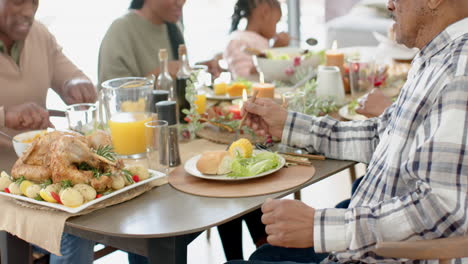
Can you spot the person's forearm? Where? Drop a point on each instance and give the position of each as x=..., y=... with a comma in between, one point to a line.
x=339, y=140
x=421, y=214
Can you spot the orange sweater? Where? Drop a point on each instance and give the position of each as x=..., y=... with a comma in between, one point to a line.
x=42, y=65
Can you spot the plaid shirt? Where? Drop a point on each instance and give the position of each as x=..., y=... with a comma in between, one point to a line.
x=416, y=184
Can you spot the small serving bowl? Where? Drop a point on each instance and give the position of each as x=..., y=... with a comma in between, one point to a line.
x=276, y=69
x=23, y=140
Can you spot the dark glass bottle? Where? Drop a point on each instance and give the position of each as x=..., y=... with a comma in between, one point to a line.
x=181, y=82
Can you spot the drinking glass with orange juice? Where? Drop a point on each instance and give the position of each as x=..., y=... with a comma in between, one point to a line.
x=126, y=102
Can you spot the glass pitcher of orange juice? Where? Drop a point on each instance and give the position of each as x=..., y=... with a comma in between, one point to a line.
x=125, y=105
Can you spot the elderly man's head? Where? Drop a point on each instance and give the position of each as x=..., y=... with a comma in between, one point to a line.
x=16, y=18
x=418, y=21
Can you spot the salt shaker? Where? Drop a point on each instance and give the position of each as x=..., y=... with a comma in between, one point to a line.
x=167, y=111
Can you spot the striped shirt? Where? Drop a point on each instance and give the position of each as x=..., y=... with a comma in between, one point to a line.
x=416, y=184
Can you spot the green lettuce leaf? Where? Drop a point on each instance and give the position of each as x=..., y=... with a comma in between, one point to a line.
x=258, y=163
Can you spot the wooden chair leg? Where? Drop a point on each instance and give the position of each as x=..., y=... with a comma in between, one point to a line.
x=103, y=252
x=297, y=195
x=352, y=173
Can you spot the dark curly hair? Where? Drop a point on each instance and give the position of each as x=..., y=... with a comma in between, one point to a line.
x=243, y=9
x=136, y=4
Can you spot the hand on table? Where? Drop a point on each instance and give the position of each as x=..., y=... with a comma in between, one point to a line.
x=27, y=116
x=373, y=104
x=265, y=117
x=289, y=223
x=77, y=91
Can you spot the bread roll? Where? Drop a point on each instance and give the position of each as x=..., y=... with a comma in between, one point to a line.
x=215, y=162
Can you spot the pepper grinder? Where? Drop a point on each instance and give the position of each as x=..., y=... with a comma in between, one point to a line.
x=167, y=111
x=158, y=96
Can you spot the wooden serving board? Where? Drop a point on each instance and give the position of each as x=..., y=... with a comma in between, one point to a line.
x=282, y=180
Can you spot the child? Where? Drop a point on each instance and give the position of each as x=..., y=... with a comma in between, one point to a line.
x=262, y=17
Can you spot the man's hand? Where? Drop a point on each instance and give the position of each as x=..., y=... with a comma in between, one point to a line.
x=266, y=117
x=373, y=104
x=281, y=40
x=289, y=223
x=77, y=91
x=27, y=116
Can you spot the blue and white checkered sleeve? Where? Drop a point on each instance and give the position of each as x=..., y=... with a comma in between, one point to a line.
x=339, y=140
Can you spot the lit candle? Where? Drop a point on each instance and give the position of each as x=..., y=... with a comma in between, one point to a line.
x=334, y=57
x=200, y=102
x=265, y=90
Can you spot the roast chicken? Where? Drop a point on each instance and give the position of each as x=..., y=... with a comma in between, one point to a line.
x=68, y=156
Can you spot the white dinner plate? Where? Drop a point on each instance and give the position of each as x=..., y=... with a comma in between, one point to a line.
x=343, y=112
x=154, y=175
x=191, y=167
x=211, y=96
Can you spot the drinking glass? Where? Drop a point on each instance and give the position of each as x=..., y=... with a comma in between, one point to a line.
x=157, y=145
x=127, y=104
x=203, y=78
x=294, y=101
x=361, y=76
x=81, y=118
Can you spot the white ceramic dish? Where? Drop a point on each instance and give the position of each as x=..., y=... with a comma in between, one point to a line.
x=18, y=143
x=344, y=113
x=274, y=70
x=190, y=166
x=211, y=96
x=155, y=175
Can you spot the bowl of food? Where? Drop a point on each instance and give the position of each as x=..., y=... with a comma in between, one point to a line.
x=22, y=141
x=281, y=64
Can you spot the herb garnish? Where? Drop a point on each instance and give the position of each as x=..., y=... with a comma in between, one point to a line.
x=106, y=152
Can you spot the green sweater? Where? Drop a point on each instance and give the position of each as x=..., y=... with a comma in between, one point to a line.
x=130, y=48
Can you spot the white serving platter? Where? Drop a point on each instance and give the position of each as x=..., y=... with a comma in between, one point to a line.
x=154, y=175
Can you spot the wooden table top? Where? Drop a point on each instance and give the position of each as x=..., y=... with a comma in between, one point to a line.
x=165, y=212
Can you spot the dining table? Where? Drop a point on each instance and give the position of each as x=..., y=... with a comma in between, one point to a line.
x=162, y=222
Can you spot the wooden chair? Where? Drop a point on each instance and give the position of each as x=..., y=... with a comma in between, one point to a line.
x=443, y=249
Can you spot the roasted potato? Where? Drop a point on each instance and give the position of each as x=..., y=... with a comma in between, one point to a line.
x=71, y=197
x=118, y=182
x=139, y=170
x=5, y=181
x=33, y=191
x=15, y=188
x=88, y=192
